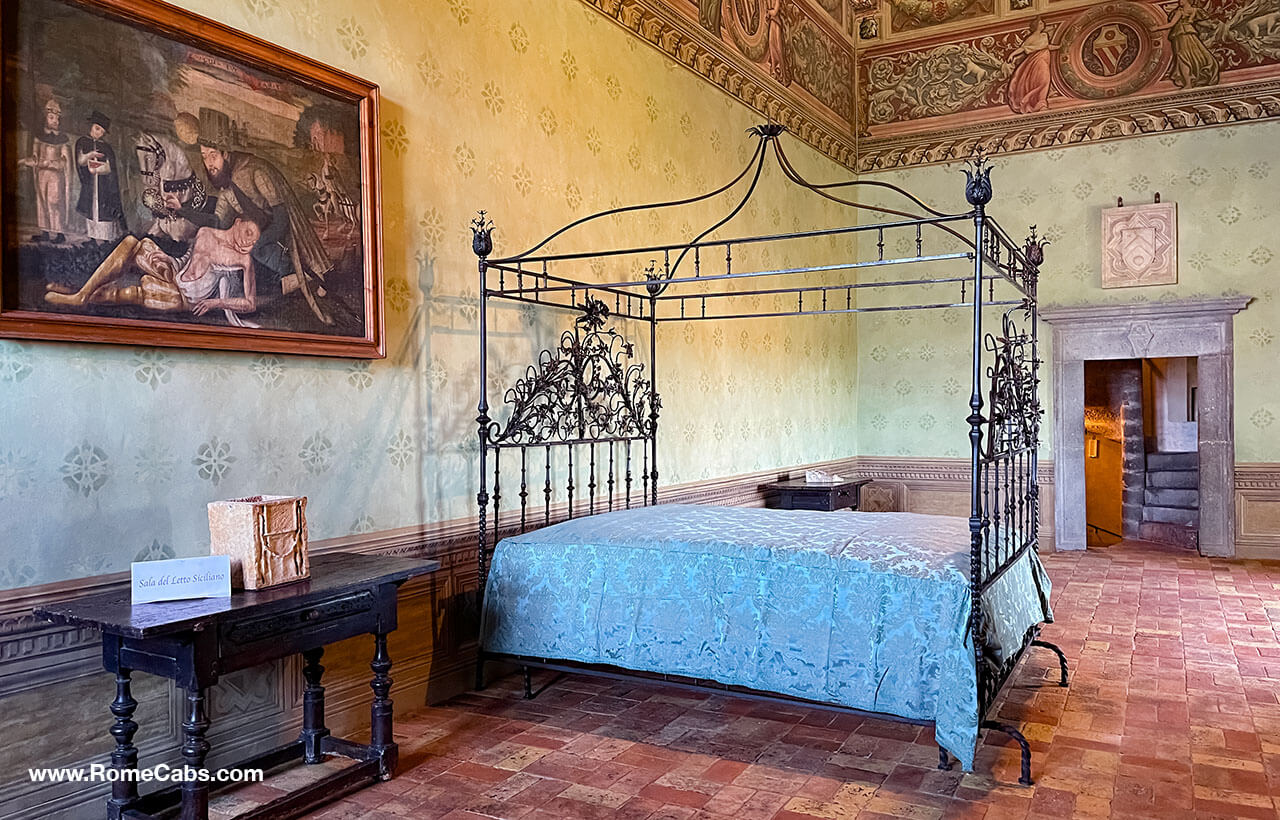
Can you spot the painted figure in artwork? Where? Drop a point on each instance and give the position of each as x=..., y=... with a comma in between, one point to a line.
x=218, y=274
x=50, y=162
x=1029, y=83
x=776, y=42
x=170, y=184
x=710, y=14
x=99, y=201
x=332, y=199
x=289, y=255
x=289, y=249
x=1193, y=64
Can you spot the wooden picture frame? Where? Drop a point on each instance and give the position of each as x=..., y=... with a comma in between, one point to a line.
x=170, y=181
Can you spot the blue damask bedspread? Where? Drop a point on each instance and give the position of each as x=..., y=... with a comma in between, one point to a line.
x=867, y=610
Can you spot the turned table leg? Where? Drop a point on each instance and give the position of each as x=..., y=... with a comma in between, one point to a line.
x=313, y=728
x=195, y=792
x=124, y=790
x=380, y=713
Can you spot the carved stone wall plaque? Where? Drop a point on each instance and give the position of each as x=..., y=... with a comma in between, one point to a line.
x=1140, y=245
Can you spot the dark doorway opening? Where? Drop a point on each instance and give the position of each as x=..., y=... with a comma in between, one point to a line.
x=1141, y=460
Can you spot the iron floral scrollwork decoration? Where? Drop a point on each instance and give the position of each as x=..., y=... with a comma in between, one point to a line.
x=482, y=235
x=584, y=389
x=1015, y=409
x=977, y=189
x=595, y=314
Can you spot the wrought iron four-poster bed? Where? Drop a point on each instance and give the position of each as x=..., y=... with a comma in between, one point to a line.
x=736, y=599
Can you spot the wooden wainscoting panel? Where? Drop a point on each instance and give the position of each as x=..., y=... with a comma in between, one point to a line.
x=937, y=486
x=1258, y=511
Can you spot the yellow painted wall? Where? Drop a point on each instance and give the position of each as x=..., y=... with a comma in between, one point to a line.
x=1224, y=182
x=537, y=112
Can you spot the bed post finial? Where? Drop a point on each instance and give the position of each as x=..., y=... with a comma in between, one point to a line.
x=481, y=235
x=978, y=187
x=767, y=130
x=1033, y=250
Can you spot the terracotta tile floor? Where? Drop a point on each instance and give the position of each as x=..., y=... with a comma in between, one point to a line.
x=1172, y=712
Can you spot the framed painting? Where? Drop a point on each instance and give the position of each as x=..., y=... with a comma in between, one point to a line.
x=170, y=181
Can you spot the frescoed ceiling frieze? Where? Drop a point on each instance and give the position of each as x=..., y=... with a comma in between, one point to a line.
x=880, y=84
x=1057, y=73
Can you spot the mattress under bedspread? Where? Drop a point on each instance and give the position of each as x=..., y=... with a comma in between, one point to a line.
x=866, y=610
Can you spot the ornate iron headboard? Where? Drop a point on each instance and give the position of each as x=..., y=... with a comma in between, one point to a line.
x=586, y=393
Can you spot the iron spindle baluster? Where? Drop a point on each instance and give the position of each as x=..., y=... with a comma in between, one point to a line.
x=704, y=307
x=697, y=261
x=987, y=469
x=880, y=244
x=524, y=488
x=496, y=495
x=502, y=279
x=644, y=474
x=919, y=242
x=520, y=276
x=848, y=298
x=591, y=482
x=546, y=281
x=546, y=490
x=1002, y=510
x=627, y=477
x=1022, y=500
x=611, y=476
x=824, y=298
x=570, y=485
x=617, y=303
x=728, y=260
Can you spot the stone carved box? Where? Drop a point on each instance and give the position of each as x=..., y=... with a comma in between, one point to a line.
x=1140, y=245
x=265, y=536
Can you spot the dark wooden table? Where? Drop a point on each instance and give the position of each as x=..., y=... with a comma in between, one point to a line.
x=194, y=642
x=797, y=494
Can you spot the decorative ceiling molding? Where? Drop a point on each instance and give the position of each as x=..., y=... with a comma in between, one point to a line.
x=948, y=79
x=1250, y=103
x=686, y=41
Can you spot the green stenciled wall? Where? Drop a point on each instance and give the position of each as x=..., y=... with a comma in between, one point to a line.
x=538, y=113
x=1223, y=181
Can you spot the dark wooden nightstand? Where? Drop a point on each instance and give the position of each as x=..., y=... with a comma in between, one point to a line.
x=797, y=494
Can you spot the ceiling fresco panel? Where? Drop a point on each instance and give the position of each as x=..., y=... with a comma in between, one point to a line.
x=1066, y=73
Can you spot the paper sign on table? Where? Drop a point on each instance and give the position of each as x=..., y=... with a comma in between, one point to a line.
x=179, y=579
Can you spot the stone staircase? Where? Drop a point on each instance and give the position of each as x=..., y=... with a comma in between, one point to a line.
x=1171, y=499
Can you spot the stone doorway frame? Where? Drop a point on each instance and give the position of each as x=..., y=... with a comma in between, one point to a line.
x=1202, y=328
